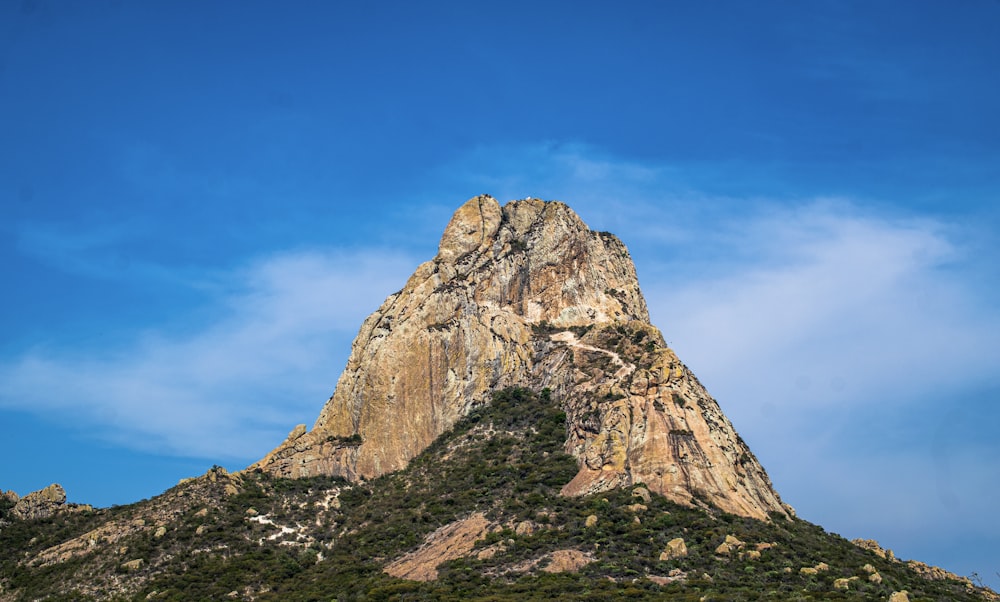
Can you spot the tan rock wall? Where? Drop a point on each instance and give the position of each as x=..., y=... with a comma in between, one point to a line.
x=495, y=308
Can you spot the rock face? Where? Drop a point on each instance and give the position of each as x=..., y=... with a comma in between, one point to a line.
x=451, y=541
x=527, y=295
x=676, y=548
x=41, y=503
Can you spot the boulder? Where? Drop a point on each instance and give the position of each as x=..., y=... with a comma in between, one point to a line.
x=873, y=546
x=730, y=545
x=567, y=561
x=676, y=548
x=642, y=493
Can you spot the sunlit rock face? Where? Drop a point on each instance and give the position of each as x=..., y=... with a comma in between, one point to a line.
x=527, y=295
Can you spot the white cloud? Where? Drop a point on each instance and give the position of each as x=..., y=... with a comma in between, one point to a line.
x=231, y=389
x=819, y=305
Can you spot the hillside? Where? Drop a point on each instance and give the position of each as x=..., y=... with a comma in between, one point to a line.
x=477, y=515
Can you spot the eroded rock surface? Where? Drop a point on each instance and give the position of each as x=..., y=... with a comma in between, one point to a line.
x=40, y=504
x=451, y=541
x=527, y=295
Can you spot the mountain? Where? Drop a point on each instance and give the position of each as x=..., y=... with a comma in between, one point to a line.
x=509, y=427
x=527, y=295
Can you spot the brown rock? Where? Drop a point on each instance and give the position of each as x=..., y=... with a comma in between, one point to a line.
x=567, y=561
x=642, y=493
x=525, y=527
x=903, y=596
x=935, y=573
x=41, y=503
x=676, y=548
x=730, y=545
x=451, y=541
x=814, y=570
x=494, y=309
x=591, y=521
x=674, y=576
x=872, y=545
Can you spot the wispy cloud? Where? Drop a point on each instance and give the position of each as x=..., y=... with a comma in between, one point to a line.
x=92, y=251
x=228, y=390
x=842, y=305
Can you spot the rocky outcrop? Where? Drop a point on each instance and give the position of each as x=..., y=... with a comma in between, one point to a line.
x=207, y=490
x=451, y=541
x=676, y=548
x=40, y=504
x=873, y=546
x=566, y=561
x=729, y=545
x=527, y=295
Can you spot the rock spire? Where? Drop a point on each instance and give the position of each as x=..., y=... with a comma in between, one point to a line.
x=527, y=295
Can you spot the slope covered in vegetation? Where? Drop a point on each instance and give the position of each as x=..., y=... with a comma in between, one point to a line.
x=496, y=475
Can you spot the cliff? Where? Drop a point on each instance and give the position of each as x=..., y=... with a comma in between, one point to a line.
x=527, y=295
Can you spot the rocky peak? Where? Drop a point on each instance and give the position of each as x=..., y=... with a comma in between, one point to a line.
x=540, y=261
x=527, y=295
x=10, y=496
x=39, y=504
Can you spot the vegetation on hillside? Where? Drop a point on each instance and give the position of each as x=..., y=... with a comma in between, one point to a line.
x=325, y=539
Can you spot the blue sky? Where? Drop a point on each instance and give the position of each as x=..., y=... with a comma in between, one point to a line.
x=202, y=201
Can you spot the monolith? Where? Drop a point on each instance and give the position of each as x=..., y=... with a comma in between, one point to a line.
x=527, y=295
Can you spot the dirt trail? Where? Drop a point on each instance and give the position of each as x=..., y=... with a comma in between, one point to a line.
x=570, y=339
